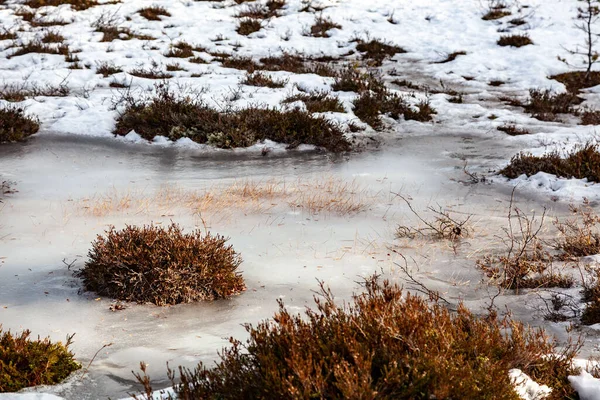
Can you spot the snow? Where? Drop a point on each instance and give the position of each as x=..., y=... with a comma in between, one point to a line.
x=527, y=388
x=586, y=385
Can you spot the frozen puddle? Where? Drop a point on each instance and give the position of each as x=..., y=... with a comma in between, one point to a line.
x=71, y=189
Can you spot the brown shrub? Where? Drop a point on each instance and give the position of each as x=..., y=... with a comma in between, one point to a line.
x=15, y=125
x=494, y=14
x=518, y=40
x=581, y=162
x=353, y=80
x=590, y=117
x=591, y=296
x=377, y=51
x=163, y=266
x=513, y=130
x=525, y=263
x=153, y=13
x=386, y=344
x=579, y=236
x=173, y=117
x=577, y=80
x=53, y=37
x=39, y=47
x=264, y=80
x=107, y=68
x=248, y=25
x=322, y=26
x=75, y=4
x=25, y=362
x=452, y=56
x=317, y=102
x=545, y=105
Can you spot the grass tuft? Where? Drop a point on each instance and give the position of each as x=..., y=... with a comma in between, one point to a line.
x=377, y=51
x=263, y=80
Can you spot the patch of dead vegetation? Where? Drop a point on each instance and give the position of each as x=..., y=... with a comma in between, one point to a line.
x=318, y=102
x=372, y=345
x=163, y=266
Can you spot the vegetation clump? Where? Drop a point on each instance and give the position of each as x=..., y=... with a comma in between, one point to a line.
x=264, y=80
x=581, y=162
x=386, y=344
x=377, y=51
x=25, y=362
x=153, y=13
x=591, y=298
x=579, y=236
x=317, y=101
x=163, y=266
x=173, y=117
x=518, y=40
x=15, y=125
x=322, y=26
x=75, y=4
x=546, y=105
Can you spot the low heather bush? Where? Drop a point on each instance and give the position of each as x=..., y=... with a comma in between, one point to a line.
x=25, y=362
x=386, y=344
x=175, y=118
x=581, y=162
x=163, y=266
x=15, y=125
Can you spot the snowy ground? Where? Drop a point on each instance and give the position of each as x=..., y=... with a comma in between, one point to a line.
x=71, y=176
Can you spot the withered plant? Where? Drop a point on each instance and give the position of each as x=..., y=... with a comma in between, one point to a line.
x=163, y=266
x=385, y=344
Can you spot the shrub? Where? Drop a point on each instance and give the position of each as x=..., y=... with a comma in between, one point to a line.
x=107, y=68
x=25, y=362
x=577, y=80
x=377, y=51
x=153, y=13
x=173, y=117
x=386, y=344
x=161, y=266
x=494, y=14
x=591, y=296
x=264, y=80
x=322, y=26
x=513, y=130
x=15, y=125
x=248, y=25
x=590, y=117
x=525, y=263
x=579, y=236
x=545, y=105
x=519, y=40
x=452, y=56
x=318, y=102
x=581, y=162
x=75, y=4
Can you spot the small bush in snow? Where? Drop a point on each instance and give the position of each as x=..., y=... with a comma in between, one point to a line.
x=386, y=344
x=163, y=266
x=15, y=125
x=25, y=362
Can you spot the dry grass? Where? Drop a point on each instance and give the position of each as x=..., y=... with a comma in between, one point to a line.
x=579, y=236
x=323, y=196
x=513, y=130
x=384, y=344
x=524, y=263
x=163, y=266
